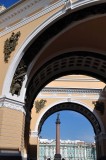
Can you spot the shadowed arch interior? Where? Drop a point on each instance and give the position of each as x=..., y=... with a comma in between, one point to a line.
x=59, y=25
x=87, y=63
x=73, y=107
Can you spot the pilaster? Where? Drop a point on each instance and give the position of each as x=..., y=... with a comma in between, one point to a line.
x=12, y=122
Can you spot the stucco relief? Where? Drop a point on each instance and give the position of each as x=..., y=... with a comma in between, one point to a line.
x=39, y=105
x=18, y=79
x=10, y=45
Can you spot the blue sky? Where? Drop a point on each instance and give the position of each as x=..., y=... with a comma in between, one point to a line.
x=8, y=3
x=74, y=126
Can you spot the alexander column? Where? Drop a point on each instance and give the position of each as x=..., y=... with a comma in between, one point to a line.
x=57, y=155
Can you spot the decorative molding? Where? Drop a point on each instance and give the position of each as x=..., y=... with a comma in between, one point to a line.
x=39, y=105
x=33, y=134
x=78, y=79
x=26, y=8
x=57, y=93
x=25, y=19
x=73, y=98
x=79, y=3
x=12, y=104
x=70, y=90
x=10, y=45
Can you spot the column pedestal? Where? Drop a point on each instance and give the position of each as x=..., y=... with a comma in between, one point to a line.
x=57, y=157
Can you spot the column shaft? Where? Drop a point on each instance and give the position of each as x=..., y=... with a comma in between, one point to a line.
x=57, y=138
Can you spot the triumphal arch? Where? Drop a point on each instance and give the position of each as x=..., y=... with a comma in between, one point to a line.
x=40, y=41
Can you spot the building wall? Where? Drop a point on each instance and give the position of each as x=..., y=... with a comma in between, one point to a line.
x=69, y=150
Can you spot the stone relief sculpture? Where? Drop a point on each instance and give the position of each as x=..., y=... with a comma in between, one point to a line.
x=10, y=45
x=39, y=105
x=18, y=79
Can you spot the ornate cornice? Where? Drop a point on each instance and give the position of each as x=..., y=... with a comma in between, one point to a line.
x=12, y=104
x=21, y=15
x=71, y=90
x=53, y=92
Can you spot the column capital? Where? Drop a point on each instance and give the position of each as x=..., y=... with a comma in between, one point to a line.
x=12, y=104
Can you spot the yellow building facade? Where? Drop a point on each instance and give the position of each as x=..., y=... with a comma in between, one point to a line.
x=41, y=41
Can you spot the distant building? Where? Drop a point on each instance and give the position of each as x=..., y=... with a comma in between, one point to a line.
x=69, y=150
x=2, y=8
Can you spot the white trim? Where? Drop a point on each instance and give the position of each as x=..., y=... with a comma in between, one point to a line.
x=33, y=134
x=68, y=4
x=82, y=3
x=73, y=101
x=11, y=104
x=78, y=80
x=84, y=97
x=87, y=94
x=27, y=20
x=62, y=89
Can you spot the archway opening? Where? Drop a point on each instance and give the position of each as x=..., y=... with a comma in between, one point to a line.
x=77, y=137
x=77, y=94
x=72, y=123
x=79, y=59
x=85, y=63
